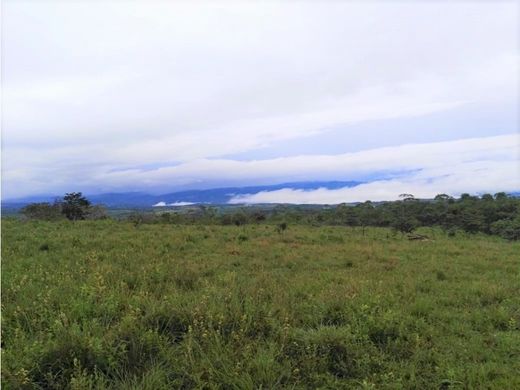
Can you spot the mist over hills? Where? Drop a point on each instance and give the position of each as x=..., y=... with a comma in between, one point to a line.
x=207, y=196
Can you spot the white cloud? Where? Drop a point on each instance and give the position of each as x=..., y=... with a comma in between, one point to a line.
x=474, y=178
x=93, y=90
x=164, y=204
x=473, y=165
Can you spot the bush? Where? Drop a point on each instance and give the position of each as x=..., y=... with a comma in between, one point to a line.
x=508, y=229
x=281, y=227
x=43, y=211
x=239, y=219
x=138, y=218
x=96, y=212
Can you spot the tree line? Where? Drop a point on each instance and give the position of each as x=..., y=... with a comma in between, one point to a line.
x=73, y=206
x=497, y=214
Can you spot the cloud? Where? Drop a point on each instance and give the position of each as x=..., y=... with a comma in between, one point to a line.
x=186, y=85
x=164, y=204
x=475, y=178
x=473, y=165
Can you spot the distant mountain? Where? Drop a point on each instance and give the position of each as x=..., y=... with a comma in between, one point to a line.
x=209, y=196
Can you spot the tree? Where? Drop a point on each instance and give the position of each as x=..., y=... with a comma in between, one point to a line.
x=75, y=206
x=471, y=220
x=404, y=224
x=366, y=213
x=508, y=229
x=404, y=219
x=407, y=197
x=443, y=198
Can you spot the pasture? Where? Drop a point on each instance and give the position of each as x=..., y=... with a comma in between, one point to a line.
x=108, y=305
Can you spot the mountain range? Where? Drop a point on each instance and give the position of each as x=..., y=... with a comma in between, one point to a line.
x=207, y=196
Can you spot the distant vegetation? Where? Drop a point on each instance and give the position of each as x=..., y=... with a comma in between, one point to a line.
x=497, y=214
x=74, y=206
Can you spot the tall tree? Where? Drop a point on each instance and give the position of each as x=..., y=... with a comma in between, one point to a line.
x=75, y=206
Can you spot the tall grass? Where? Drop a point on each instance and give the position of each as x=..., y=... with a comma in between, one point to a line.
x=96, y=305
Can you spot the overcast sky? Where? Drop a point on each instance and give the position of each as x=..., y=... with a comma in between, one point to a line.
x=417, y=97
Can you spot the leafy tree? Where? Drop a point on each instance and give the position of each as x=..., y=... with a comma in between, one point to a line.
x=404, y=213
x=500, y=196
x=508, y=229
x=404, y=224
x=442, y=198
x=351, y=218
x=429, y=215
x=407, y=197
x=465, y=197
x=472, y=220
x=75, y=206
x=367, y=213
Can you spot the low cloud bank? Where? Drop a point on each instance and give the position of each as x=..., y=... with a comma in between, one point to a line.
x=472, y=177
x=164, y=204
x=465, y=165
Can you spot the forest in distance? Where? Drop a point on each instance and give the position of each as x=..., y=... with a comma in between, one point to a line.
x=497, y=214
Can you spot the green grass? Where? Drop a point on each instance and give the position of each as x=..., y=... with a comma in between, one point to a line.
x=107, y=305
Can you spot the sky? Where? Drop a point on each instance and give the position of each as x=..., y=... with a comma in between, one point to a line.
x=413, y=97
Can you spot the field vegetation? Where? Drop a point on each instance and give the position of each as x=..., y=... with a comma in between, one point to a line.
x=112, y=304
x=497, y=214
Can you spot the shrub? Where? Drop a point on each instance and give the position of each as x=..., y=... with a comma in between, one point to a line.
x=281, y=227
x=239, y=219
x=242, y=237
x=508, y=229
x=96, y=212
x=138, y=218
x=43, y=211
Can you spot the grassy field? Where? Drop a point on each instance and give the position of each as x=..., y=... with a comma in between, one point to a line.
x=107, y=305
